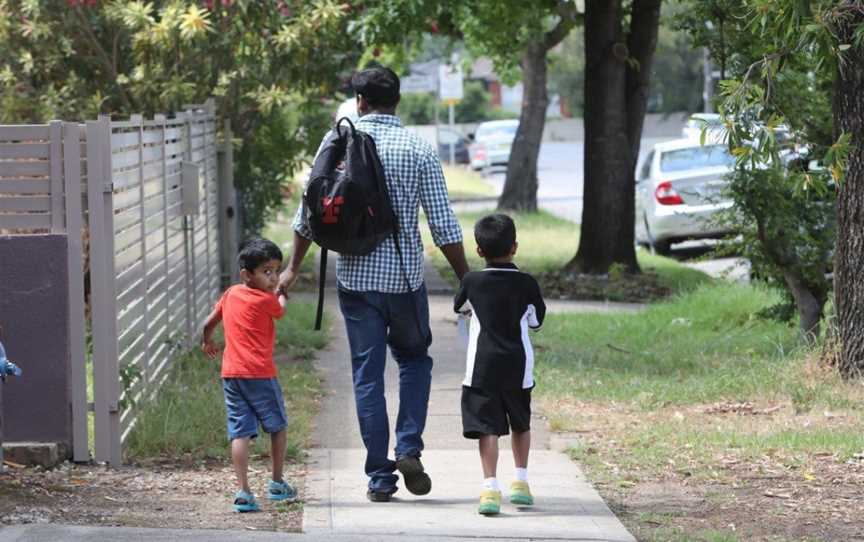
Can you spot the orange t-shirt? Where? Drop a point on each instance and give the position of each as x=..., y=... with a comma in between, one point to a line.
x=247, y=315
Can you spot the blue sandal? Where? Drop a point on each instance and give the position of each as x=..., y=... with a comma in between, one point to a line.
x=281, y=491
x=245, y=502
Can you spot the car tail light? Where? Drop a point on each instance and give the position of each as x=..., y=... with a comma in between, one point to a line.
x=479, y=152
x=666, y=195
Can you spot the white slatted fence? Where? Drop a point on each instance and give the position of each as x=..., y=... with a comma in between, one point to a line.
x=154, y=250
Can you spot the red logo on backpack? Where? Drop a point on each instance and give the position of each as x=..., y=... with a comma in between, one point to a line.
x=332, y=209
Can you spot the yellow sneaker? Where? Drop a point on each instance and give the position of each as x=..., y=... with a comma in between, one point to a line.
x=490, y=502
x=520, y=494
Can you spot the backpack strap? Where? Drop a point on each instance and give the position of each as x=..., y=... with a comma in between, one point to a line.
x=322, y=279
x=350, y=124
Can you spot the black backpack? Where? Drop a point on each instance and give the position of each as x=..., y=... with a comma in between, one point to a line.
x=346, y=202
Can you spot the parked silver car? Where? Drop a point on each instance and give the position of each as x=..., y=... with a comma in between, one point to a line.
x=679, y=189
x=492, y=143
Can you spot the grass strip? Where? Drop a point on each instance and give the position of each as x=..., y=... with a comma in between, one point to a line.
x=466, y=184
x=547, y=243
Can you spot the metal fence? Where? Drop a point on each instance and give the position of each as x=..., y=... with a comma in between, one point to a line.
x=152, y=211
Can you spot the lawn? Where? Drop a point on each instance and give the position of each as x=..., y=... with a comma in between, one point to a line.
x=465, y=184
x=698, y=348
x=696, y=414
x=547, y=243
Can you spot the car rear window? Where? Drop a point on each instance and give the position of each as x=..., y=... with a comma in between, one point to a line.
x=488, y=132
x=695, y=158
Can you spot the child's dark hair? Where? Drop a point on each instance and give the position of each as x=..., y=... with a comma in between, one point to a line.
x=257, y=251
x=495, y=235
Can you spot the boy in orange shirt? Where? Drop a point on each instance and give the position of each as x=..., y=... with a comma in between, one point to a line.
x=252, y=393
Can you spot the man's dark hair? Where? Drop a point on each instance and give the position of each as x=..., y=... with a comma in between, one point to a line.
x=257, y=251
x=495, y=235
x=379, y=86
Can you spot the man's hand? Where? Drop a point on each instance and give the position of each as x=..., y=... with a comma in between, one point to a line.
x=287, y=280
x=292, y=270
x=209, y=346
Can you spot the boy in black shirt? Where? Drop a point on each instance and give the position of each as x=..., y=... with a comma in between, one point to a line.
x=496, y=393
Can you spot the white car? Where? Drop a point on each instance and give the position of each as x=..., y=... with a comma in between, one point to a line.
x=679, y=189
x=698, y=121
x=493, y=141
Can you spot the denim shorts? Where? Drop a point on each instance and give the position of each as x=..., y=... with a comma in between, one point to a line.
x=253, y=401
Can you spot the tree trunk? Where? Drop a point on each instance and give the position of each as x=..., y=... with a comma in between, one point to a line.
x=615, y=97
x=810, y=294
x=849, y=258
x=520, y=185
x=809, y=302
x=641, y=44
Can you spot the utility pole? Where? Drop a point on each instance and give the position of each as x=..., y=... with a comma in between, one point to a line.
x=707, y=82
x=450, y=90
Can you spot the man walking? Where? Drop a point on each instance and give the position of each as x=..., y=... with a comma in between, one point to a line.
x=380, y=307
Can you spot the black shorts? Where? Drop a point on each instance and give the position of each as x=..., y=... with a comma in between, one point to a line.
x=495, y=412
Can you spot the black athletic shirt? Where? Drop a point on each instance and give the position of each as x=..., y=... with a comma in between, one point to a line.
x=505, y=302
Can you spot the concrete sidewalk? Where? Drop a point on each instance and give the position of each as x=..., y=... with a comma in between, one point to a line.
x=567, y=507
x=79, y=533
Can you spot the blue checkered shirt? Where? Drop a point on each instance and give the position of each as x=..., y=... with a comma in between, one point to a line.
x=414, y=178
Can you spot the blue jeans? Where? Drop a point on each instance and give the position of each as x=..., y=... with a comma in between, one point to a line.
x=374, y=321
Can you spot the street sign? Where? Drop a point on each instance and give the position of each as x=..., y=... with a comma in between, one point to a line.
x=418, y=83
x=450, y=83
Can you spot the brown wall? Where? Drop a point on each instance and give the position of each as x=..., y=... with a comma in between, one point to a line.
x=34, y=316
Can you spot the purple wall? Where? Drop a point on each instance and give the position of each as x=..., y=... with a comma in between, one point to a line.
x=34, y=291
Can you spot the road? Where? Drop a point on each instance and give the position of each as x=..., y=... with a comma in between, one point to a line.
x=561, y=173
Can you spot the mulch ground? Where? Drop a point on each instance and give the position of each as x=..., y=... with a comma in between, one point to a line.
x=166, y=494
x=759, y=505
x=817, y=497
x=622, y=287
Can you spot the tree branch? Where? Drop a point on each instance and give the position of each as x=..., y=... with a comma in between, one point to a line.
x=569, y=17
x=103, y=57
x=761, y=62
